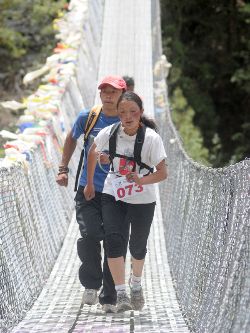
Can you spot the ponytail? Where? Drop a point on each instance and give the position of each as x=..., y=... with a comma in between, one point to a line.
x=149, y=122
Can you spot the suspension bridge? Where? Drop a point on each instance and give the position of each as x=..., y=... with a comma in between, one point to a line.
x=197, y=272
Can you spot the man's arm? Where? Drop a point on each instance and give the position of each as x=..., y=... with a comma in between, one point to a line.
x=68, y=150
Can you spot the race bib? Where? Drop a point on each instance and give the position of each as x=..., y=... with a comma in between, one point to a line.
x=124, y=189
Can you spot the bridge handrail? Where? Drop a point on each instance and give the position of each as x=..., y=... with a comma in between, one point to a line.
x=34, y=211
x=206, y=213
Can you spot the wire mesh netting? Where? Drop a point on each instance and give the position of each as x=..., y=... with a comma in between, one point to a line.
x=206, y=214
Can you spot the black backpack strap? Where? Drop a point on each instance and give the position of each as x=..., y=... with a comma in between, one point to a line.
x=79, y=169
x=112, y=143
x=139, y=140
x=138, y=148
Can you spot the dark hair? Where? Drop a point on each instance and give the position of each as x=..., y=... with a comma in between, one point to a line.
x=129, y=80
x=131, y=96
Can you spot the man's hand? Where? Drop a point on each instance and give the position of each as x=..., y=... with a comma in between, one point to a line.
x=89, y=192
x=62, y=179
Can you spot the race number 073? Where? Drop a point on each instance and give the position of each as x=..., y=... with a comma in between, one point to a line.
x=127, y=190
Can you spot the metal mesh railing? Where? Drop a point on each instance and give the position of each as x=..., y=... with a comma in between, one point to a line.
x=34, y=211
x=206, y=211
x=32, y=229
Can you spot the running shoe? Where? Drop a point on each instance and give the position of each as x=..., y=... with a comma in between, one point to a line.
x=109, y=308
x=137, y=299
x=90, y=296
x=123, y=302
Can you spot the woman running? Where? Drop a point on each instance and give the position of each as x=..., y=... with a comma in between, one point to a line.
x=137, y=162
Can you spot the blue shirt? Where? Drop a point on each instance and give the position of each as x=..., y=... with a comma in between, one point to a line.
x=77, y=131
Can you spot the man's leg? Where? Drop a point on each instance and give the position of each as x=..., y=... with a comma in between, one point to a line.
x=88, y=216
x=108, y=292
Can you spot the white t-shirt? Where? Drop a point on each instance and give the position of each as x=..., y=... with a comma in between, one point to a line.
x=152, y=154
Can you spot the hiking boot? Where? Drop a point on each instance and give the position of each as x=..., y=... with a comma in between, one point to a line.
x=90, y=296
x=137, y=299
x=123, y=302
x=109, y=308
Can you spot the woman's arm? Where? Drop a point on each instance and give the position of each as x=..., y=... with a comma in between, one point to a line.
x=89, y=190
x=155, y=177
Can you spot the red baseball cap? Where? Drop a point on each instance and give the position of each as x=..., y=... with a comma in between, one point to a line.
x=114, y=81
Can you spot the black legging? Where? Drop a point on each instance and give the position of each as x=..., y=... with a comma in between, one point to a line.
x=117, y=216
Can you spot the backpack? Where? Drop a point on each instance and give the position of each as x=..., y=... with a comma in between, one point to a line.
x=137, y=148
x=90, y=123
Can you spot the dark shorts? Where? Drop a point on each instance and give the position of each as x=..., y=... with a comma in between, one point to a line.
x=118, y=216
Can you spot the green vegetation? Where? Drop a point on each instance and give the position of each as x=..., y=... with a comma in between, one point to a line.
x=183, y=116
x=207, y=43
x=209, y=48
x=1, y=152
x=26, y=36
x=26, y=40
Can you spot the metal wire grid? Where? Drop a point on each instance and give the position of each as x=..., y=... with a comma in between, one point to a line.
x=33, y=226
x=35, y=213
x=207, y=231
x=57, y=308
x=127, y=46
x=207, y=220
x=89, y=52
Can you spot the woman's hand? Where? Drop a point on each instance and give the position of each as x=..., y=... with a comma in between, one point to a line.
x=155, y=177
x=103, y=158
x=133, y=177
x=89, y=192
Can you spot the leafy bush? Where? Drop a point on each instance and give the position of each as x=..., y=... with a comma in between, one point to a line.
x=207, y=43
x=26, y=36
x=183, y=115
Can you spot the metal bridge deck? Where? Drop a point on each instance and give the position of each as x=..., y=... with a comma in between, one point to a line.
x=59, y=307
